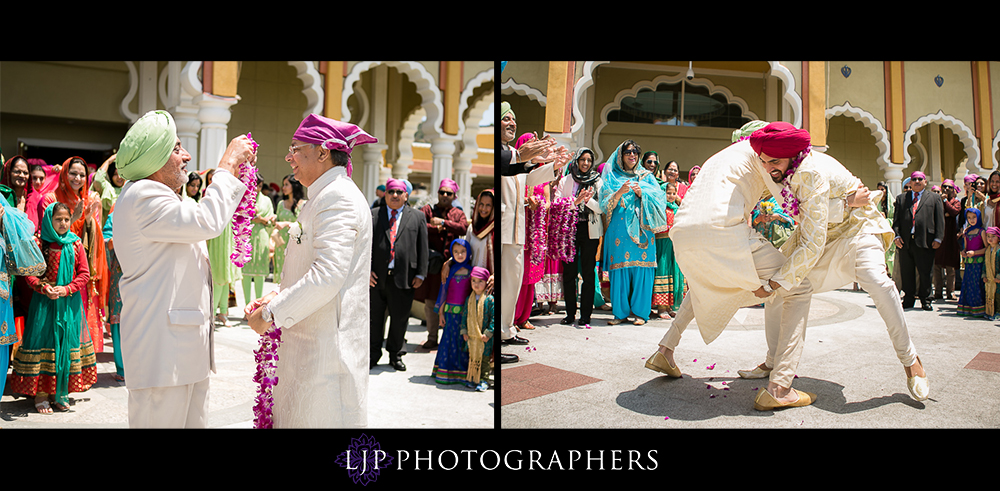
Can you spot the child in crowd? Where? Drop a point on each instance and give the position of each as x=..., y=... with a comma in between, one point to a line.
x=668, y=282
x=477, y=330
x=991, y=272
x=972, y=302
x=452, y=363
x=57, y=354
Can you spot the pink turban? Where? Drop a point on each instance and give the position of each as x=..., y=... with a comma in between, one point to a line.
x=395, y=184
x=993, y=230
x=918, y=174
x=481, y=273
x=780, y=140
x=448, y=183
x=332, y=134
x=971, y=178
x=949, y=183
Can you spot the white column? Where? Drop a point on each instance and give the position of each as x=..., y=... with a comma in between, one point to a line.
x=463, y=175
x=401, y=168
x=934, y=154
x=214, y=114
x=186, y=111
x=443, y=154
x=894, y=179
x=372, y=163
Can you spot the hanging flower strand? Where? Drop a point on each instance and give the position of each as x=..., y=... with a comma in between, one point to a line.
x=266, y=378
x=247, y=209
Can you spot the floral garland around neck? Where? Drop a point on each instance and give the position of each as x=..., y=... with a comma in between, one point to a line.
x=245, y=212
x=790, y=203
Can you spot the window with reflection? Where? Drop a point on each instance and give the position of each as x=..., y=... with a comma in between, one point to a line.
x=679, y=104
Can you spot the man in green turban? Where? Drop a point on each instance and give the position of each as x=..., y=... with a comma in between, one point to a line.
x=166, y=292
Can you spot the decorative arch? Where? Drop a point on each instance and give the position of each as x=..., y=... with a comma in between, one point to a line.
x=465, y=100
x=965, y=134
x=790, y=96
x=512, y=87
x=312, y=86
x=652, y=84
x=426, y=87
x=874, y=126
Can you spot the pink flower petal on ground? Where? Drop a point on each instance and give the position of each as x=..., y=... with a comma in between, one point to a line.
x=710, y=367
x=694, y=360
x=666, y=418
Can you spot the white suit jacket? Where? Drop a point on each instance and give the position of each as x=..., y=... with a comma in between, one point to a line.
x=166, y=284
x=322, y=308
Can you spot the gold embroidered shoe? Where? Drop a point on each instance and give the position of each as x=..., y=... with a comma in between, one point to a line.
x=758, y=372
x=766, y=402
x=659, y=363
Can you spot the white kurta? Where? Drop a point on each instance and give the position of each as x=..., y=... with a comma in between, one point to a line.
x=323, y=310
x=713, y=240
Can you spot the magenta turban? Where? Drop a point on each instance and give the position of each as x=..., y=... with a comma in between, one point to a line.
x=395, y=184
x=481, y=273
x=448, y=183
x=332, y=134
x=780, y=140
x=918, y=174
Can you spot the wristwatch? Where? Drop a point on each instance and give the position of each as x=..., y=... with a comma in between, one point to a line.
x=266, y=314
x=767, y=287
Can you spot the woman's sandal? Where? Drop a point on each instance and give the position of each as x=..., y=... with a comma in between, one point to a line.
x=59, y=408
x=43, y=407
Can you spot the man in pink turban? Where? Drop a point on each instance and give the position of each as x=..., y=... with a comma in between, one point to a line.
x=445, y=223
x=322, y=305
x=399, y=266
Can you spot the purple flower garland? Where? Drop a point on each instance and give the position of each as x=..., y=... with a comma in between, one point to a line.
x=266, y=378
x=538, y=233
x=247, y=209
x=562, y=229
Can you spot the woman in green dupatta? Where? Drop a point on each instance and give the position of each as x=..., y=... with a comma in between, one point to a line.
x=57, y=355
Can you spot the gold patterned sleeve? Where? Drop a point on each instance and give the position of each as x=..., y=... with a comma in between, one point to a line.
x=813, y=192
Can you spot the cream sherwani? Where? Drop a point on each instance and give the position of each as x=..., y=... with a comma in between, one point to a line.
x=832, y=246
x=512, y=239
x=166, y=290
x=723, y=259
x=322, y=308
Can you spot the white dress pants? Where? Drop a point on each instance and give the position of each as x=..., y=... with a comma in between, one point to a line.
x=766, y=259
x=785, y=317
x=182, y=406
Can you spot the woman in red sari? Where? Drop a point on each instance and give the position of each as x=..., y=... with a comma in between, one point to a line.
x=85, y=205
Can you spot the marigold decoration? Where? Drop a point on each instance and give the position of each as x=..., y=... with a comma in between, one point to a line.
x=247, y=209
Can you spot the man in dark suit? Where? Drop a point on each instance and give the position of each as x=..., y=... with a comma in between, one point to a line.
x=919, y=227
x=399, y=266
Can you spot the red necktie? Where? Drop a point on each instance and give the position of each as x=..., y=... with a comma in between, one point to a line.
x=916, y=201
x=392, y=236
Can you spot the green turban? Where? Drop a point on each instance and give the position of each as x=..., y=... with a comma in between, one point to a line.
x=504, y=109
x=147, y=146
x=748, y=129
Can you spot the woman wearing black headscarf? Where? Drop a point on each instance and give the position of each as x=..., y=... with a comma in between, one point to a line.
x=583, y=185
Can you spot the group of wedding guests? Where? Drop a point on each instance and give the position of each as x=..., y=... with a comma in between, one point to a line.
x=618, y=244
x=965, y=230
x=59, y=279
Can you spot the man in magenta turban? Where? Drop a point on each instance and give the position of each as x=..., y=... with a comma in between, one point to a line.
x=322, y=304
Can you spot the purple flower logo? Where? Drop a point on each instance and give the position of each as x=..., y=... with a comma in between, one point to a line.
x=364, y=458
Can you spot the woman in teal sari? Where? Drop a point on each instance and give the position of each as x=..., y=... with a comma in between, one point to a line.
x=57, y=355
x=635, y=206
